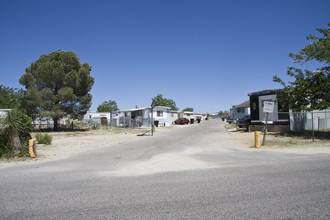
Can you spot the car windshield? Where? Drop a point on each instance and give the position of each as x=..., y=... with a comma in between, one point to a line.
x=245, y=116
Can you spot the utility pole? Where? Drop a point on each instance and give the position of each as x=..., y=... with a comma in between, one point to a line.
x=265, y=129
x=152, y=117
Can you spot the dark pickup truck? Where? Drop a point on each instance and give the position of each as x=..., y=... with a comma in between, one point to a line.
x=244, y=121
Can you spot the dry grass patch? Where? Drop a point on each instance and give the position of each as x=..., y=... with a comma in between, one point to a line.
x=277, y=140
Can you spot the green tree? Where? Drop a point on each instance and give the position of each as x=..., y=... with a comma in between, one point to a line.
x=188, y=109
x=309, y=90
x=108, y=106
x=29, y=103
x=58, y=85
x=9, y=97
x=15, y=131
x=223, y=113
x=159, y=100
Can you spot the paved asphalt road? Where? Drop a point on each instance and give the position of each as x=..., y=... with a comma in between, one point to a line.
x=193, y=172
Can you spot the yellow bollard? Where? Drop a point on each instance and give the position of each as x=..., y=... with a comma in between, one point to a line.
x=257, y=139
x=32, y=148
x=154, y=128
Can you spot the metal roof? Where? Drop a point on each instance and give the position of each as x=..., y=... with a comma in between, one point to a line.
x=266, y=92
x=139, y=109
x=243, y=105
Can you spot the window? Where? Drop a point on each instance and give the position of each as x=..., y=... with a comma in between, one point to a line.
x=240, y=110
x=159, y=113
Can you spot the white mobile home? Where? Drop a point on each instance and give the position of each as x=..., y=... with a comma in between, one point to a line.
x=238, y=111
x=188, y=115
x=174, y=116
x=163, y=115
x=101, y=118
x=141, y=117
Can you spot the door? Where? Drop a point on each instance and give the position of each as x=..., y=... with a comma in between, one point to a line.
x=104, y=121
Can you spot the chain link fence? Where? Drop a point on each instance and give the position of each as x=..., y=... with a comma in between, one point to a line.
x=128, y=122
x=122, y=122
x=63, y=124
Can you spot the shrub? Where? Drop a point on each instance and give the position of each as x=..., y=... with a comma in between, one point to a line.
x=6, y=151
x=14, y=133
x=44, y=138
x=24, y=151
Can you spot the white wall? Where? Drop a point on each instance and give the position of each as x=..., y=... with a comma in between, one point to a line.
x=188, y=115
x=165, y=119
x=92, y=115
x=320, y=120
x=174, y=116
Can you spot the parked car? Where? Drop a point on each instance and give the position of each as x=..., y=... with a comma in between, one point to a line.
x=244, y=121
x=230, y=120
x=181, y=121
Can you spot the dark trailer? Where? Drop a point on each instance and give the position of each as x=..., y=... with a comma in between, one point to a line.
x=279, y=120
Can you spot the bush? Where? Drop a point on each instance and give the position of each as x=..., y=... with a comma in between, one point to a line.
x=14, y=133
x=24, y=151
x=44, y=138
x=6, y=151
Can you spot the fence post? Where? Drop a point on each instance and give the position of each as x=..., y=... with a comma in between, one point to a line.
x=313, y=136
x=110, y=120
x=32, y=148
x=152, y=124
x=257, y=139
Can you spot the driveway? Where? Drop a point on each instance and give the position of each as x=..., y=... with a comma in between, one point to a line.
x=193, y=172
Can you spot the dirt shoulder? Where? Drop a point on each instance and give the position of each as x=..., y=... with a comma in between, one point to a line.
x=66, y=144
x=278, y=142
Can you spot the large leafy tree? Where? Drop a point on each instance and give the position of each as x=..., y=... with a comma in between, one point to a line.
x=310, y=90
x=58, y=85
x=159, y=100
x=9, y=97
x=108, y=106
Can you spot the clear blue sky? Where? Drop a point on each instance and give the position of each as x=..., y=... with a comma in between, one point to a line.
x=205, y=54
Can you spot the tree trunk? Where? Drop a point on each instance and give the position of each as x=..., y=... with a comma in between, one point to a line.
x=110, y=120
x=16, y=142
x=55, y=124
